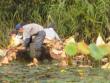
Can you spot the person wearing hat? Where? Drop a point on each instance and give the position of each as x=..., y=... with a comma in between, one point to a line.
x=33, y=37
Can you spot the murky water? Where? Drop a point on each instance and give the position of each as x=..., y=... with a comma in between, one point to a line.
x=18, y=72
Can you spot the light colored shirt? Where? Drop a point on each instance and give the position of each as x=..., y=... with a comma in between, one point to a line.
x=31, y=29
x=51, y=34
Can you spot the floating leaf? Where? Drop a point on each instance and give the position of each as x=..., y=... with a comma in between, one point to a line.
x=83, y=48
x=63, y=71
x=70, y=49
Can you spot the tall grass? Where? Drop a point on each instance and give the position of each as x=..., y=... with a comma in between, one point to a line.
x=86, y=18
x=83, y=17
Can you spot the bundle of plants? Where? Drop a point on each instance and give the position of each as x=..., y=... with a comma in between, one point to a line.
x=83, y=55
x=9, y=53
x=56, y=50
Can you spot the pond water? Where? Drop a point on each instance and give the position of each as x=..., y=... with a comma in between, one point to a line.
x=18, y=72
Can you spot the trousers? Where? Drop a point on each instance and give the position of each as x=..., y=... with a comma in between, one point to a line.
x=36, y=44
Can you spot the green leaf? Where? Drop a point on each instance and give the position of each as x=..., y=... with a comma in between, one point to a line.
x=97, y=52
x=70, y=49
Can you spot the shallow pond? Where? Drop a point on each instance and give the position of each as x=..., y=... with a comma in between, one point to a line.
x=18, y=72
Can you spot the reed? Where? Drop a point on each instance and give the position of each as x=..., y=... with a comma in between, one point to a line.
x=84, y=17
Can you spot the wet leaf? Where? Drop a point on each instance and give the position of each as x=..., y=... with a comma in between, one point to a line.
x=63, y=70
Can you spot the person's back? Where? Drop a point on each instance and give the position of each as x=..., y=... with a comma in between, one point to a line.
x=31, y=29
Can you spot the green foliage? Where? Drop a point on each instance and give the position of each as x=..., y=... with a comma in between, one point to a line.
x=70, y=49
x=97, y=52
x=86, y=17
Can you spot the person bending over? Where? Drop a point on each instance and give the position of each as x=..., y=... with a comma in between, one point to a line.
x=33, y=37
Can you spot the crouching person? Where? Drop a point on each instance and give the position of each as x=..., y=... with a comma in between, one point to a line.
x=33, y=37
